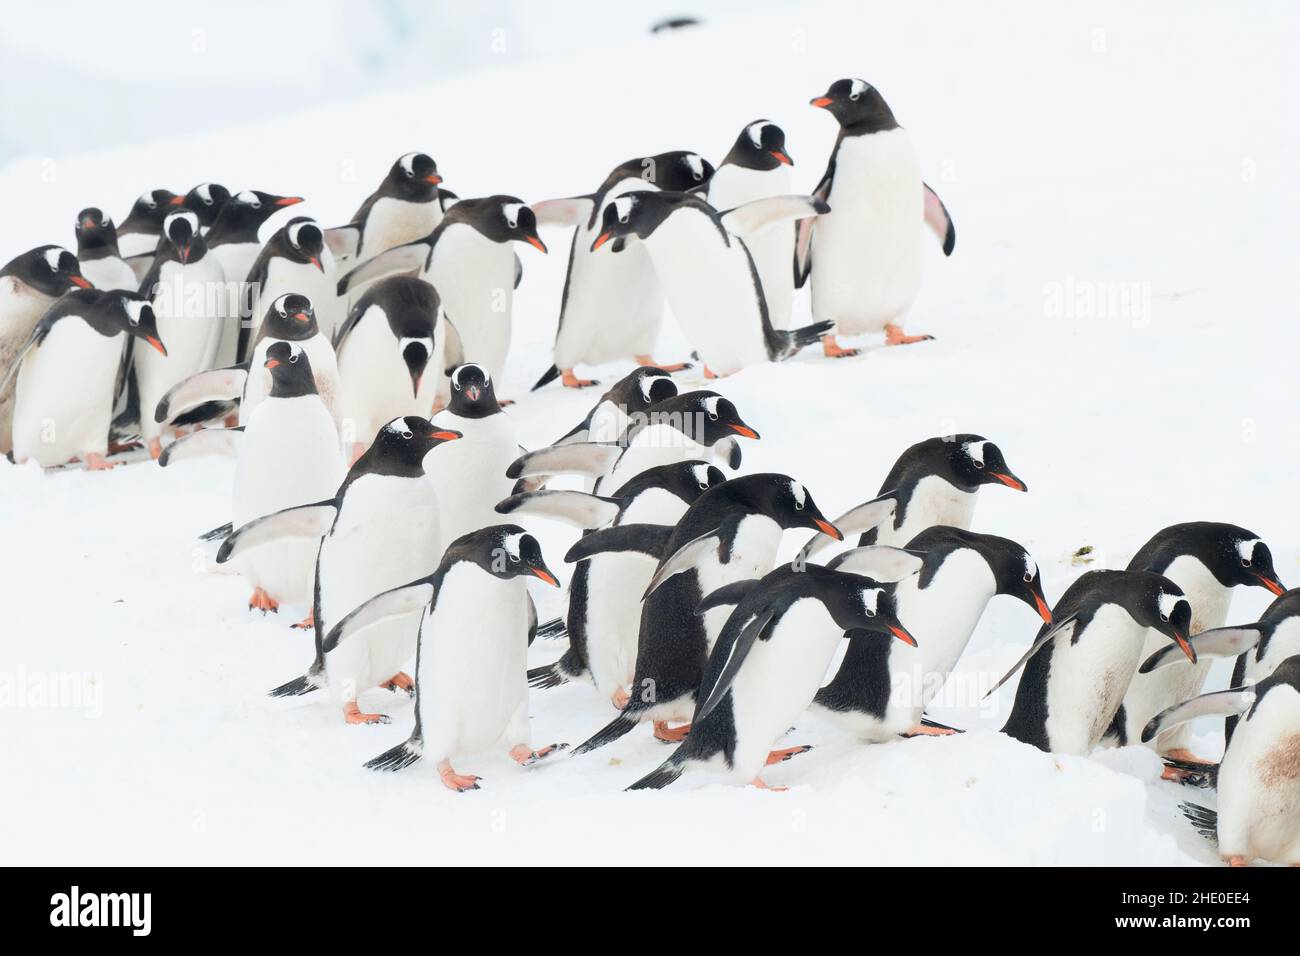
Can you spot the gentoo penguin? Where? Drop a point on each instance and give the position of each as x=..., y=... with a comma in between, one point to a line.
x=379, y=531
x=689, y=426
x=632, y=394
x=598, y=287
x=470, y=688
x=708, y=274
x=1079, y=666
x=942, y=583
x=408, y=205
x=233, y=240
x=213, y=393
x=604, y=610
x=288, y=455
x=97, y=252
x=385, y=348
x=29, y=284
x=729, y=534
x=934, y=482
x=69, y=374
x=294, y=259
x=206, y=200
x=186, y=287
x=469, y=260
x=866, y=254
x=140, y=232
x=758, y=168
x=1258, y=817
x=1207, y=559
x=768, y=662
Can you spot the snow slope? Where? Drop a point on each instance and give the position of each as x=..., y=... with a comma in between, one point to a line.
x=1119, y=316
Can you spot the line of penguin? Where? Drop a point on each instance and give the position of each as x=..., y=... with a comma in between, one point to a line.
x=397, y=326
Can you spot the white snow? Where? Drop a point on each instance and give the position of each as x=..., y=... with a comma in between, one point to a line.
x=1119, y=317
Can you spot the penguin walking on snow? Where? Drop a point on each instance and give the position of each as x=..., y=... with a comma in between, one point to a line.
x=729, y=534
x=69, y=375
x=768, y=662
x=708, y=274
x=942, y=582
x=1207, y=559
x=470, y=688
x=97, y=252
x=379, y=531
x=866, y=253
x=1080, y=665
x=1259, y=789
x=140, y=232
x=612, y=306
x=758, y=167
x=407, y=206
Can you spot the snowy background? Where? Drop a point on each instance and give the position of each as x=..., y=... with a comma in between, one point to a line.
x=1120, y=316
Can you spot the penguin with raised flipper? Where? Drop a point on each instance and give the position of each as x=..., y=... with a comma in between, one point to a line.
x=97, y=253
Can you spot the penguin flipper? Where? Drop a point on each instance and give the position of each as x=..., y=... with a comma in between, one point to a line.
x=303, y=521
x=1222, y=703
x=729, y=595
x=573, y=507
x=937, y=218
x=519, y=270
x=864, y=517
x=1219, y=642
x=734, y=654
x=1205, y=820
x=387, y=606
x=752, y=217
x=650, y=540
x=728, y=449
x=32, y=341
x=663, y=775
x=563, y=212
x=209, y=441
x=343, y=241
x=214, y=385
x=879, y=562
x=590, y=459
x=1048, y=632
x=686, y=557
x=409, y=258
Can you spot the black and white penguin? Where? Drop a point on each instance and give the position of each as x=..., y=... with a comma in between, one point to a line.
x=408, y=205
x=389, y=357
x=186, y=288
x=730, y=533
x=379, y=531
x=1258, y=816
x=139, y=233
x=758, y=167
x=769, y=661
x=1207, y=559
x=69, y=373
x=29, y=284
x=206, y=200
x=693, y=425
x=1080, y=665
x=97, y=252
x=866, y=254
x=632, y=394
x=942, y=583
x=707, y=273
x=604, y=610
x=934, y=482
x=469, y=260
x=294, y=259
x=598, y=287
x=471, y=691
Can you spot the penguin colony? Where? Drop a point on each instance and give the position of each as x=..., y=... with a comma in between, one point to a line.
x=351, y=372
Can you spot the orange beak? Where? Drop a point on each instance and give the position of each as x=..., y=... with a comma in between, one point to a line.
x=600, y=241
x=288, y=200
x=316, y=263
x=1044, y=611
x=821, y=101
x=1272, y=585
x=1187, y=647
x=829, y=529
x=536, y=243
x=444, y=436
x=175, y=200
x=781, y=157
x=184, y=254
x=743, y=430
x=1011, y=481
x=547, y=577
x=434, y=178
x=902, y=635
x=157, y=344
x=302, y=316
x=80, y=282
x=272, y=363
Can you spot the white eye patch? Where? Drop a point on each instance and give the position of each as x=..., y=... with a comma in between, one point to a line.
x=975, y=451
x=512, y=544
x=52, y=258
x=1031, y=568
x=205, y=193
x=279, y=304
x=857, y=88
x=1246, y=548
x=800, y=494
x=1167, y=602
x=296, y=229
x=623, y=207
x=701, y=473
x=249, y=198
x=427, y=344
x=407, y=163
x=696, y=163
x=397, y=427
x=147, y=199
x=511, y=211
x=710, y=405
x=455, y=376
x=755, y=131
x=870, y=600
x=188, y=216
x=134, y=309
x=647, y=382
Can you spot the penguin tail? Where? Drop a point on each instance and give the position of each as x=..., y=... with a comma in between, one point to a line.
x=808, y=335
x=397, y=758
x=219, y=533
x=549, y=376
x=314, y=679
x=546, y=677
x=663, y=775
x=1203, y=819
x=616, y=728
x=553, y=629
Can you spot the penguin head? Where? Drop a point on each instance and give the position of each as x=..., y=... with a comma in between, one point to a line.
x=252, y=207
x=639, y=214
x=857, y=105
x=503, y=219
x=181, y=229
x=677, y=171
x=784, y=500
x=148, y=212
x=761, y=146
x=977, y=461
x=1162, y=605
x=1014, y=571
x=134, y=314
x=653, y=385
x=95, y=231
x=415, y=355
x=305, y=241
x=1233, y=555
x=413, y=178
x=400, y=446
x=290, y=317
x=713, y=417
x=290, y=370
x=50, y=270
x=206, y=200
x=512, y=552
x=1254, y=565
x=686, y=480
x=861, y=604
x=472, y=394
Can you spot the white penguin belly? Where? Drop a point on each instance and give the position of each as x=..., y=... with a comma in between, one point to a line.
x=237, y=260
x=110, y=272
x=753, y=553
x=1284, y=643
x=476, y=279
x=284, y=276
x=375, y=382
x=772, y=247
x=934, y=501
x=615, y=585
x=21, y=308
x=394, y=222
x=867, y=251
x=471, y=472
x=1259, y=783
x=324, y=372
x=1088, y=679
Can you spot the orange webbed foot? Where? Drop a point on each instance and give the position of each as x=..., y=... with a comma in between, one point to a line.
x=155, y=448
x=925, y=730
x=400, y=681
x=308, y=623
x=832, y=349
x=97, y=462
x=570, y=380
x=894, y=335
x=649, y=362
x=620, y=698
x=778, y=756
x=526, y=756
x=353, y=715
x=456, y=781
x=261, y=601
x=671, y=735
x=759, y=783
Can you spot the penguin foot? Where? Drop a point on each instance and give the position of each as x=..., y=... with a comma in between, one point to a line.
x=1235, y=861
x=925, y=730
x=759, y=783
x=709, y=373
x=777, y=756
x=1183, y=755
x=400, y=681
x=308, y=623
x=569, y=380
x=671, y=735
x=1182, y=766
x=155, y=448
x=352, y=714
x=261, y=601
x=97, y=462
x=526, y=756
x=649, y=361
x=832, y=349
x=230, y=421
x=894, y=335
x=620, y=698
x=455, y=781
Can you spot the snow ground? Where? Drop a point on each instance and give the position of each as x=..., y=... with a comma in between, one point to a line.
x=1082, y=152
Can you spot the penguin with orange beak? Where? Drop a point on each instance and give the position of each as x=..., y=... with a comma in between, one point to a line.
x=295, y=259
x=97, y=252
x=408, y=205
x=139, y=233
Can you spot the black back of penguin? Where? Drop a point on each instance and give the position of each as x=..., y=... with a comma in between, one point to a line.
x=50, y=270
x=1232, y=554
